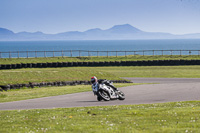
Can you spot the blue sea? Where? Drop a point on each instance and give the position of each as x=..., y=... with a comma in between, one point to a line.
x=95, y=45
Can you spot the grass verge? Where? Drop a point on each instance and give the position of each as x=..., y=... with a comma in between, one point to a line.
x=20, y=76
x=100, y=58
x=155, y=71
x=154, y=118
x=24, y=94
x=38, y=75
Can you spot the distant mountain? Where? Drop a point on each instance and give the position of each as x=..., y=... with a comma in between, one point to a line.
x=4, y=32
x=117, y=32
x=32, y=36
x=124, y=29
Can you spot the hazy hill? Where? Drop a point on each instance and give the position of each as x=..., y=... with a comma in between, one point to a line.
x=6, y=34
x=4, y=31
x=117, y=32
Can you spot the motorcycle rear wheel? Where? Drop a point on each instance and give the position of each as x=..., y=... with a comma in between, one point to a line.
x=103, y=95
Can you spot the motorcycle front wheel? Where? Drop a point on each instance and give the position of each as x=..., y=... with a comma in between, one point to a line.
x=99, y=98
x=121, y=95
x=103, y=95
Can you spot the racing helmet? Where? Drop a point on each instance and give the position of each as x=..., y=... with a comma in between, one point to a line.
x=93, y=80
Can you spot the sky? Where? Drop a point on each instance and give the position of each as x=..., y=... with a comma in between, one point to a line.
x=56, y=16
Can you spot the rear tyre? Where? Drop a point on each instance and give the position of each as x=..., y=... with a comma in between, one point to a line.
x=121, y=95
x=103, y=95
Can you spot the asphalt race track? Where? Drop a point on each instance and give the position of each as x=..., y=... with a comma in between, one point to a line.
x=168, y=90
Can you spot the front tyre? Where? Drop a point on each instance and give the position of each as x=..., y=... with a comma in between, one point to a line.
x=99, y=98
x=121, y=95
x=103, y=95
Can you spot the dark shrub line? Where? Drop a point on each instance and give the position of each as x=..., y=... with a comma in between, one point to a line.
x=57, y=83
x=99, y=64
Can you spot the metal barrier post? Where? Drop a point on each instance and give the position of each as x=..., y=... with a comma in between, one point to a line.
x=9, y=55
x=71, y=52
x=35, y=54
x=62, y=53
x=27, y=53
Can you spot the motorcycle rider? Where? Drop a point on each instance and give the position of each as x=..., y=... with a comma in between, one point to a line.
x=95, y=84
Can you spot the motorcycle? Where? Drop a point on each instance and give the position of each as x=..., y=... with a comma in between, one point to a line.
x=107, y=93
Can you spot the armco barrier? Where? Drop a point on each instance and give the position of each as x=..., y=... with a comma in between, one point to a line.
x=100, y=64
x=84, y=53
x=58, y=83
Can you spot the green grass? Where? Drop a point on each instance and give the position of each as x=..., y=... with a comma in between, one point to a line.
x=148, y=118
x=28, y=93
x=165, y=117
x=19, y=76
x=155, y=71
x=15, y=76
x=91, y=59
